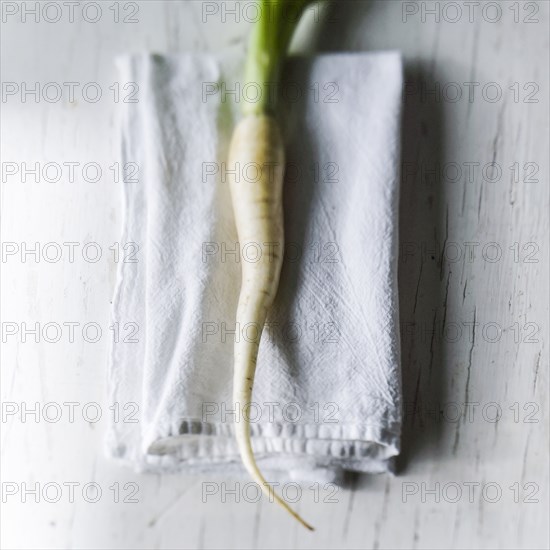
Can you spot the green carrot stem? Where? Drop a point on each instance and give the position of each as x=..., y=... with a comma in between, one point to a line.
x=267, y=50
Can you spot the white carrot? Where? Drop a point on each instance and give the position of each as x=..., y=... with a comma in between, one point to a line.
x=258, y=210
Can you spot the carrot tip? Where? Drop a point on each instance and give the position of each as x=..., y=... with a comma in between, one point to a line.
x=305, y=523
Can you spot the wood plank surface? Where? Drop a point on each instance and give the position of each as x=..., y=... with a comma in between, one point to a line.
x=473, y=280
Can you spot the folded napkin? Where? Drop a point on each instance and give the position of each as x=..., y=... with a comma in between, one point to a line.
x=327, y=396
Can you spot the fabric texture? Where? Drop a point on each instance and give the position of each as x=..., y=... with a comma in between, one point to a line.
x=327, y=395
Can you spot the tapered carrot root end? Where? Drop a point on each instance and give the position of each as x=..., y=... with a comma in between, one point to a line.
x=294, y=514
x=286, y=506
x=305, y=524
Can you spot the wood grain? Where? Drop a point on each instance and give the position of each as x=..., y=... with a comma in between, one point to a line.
x=474, y=327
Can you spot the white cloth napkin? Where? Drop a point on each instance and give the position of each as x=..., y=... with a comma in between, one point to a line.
x=327, y=396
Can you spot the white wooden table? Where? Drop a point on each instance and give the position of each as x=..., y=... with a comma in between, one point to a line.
x=473, y=281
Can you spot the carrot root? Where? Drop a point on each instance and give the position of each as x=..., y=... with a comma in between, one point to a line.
x=257, y=205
